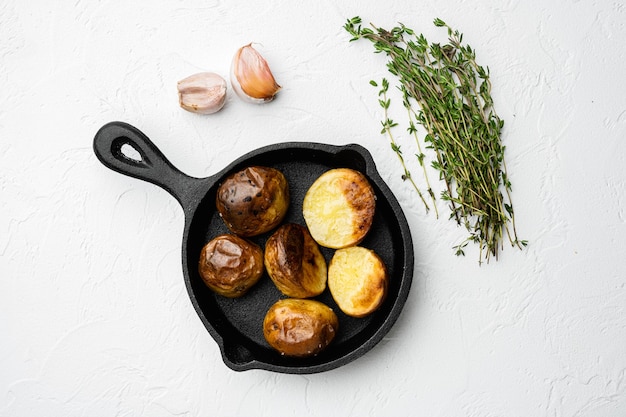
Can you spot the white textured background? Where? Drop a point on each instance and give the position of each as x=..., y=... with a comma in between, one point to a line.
x=94, y=316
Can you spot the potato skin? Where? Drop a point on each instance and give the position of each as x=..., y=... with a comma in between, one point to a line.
x=357, y=280
x=253, y=200
x=230, y=265
x=294, y=262
x=300, y=327
x=339, y=208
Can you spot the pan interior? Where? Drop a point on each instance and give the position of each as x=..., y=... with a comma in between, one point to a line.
x=236, y=324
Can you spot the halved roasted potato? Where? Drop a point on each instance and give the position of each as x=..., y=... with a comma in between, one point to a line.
x=253, y=200
x=357, y=280
x=296, y=327
x=294, y=262
x=230, y=265
x=339, y=208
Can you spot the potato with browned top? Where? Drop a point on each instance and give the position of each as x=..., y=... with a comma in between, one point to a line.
x=294, y=262
x=339, y=208
x=253, y=200
x=357, y=280
x=230, y=265
x=301, y=328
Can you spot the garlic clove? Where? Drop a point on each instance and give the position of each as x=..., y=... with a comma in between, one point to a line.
x=203, y=93
x=251, y=77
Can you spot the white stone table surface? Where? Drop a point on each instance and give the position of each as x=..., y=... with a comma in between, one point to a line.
x=95, y=319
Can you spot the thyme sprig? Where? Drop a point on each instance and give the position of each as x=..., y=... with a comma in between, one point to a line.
x=388, y=124
x=449, y=94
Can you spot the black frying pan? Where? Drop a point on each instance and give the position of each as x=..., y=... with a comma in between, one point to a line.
x=236, y=324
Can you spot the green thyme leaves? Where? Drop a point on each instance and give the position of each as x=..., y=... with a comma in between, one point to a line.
x=446, y=92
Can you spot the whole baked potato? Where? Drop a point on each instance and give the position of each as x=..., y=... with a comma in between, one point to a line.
x=294, y=262
x=230, y=265
x=339, y=208
x=253, y=200
x=300, y=327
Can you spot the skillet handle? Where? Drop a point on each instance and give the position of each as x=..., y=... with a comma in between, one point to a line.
x=112, y=144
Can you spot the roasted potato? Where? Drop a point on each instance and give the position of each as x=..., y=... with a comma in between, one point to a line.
x=294, y=262
x=339, y=208
x=230, y=265
x=253, y=201
x=357, y=280
x=297, y=327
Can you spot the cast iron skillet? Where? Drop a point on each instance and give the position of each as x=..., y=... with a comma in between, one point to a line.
x=236, y=324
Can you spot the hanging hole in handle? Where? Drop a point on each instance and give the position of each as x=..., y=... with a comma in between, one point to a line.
x=125, y=149
x=131, y=153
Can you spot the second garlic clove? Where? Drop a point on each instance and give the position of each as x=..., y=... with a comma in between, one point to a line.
x=251, y=77
x=203, y=93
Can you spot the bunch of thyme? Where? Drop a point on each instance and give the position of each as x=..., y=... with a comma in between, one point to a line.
x=449, y=94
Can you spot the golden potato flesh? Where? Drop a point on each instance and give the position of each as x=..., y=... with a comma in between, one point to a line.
x=253, y=201
x=294, y=262
x=339, y=208
x=357, y=280
x=296, y=327
x=230, y=265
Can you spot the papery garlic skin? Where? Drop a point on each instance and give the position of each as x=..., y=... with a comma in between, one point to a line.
x=203, y=93
x=251, y=77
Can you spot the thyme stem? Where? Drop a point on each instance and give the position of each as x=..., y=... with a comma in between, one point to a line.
x=387, y=125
